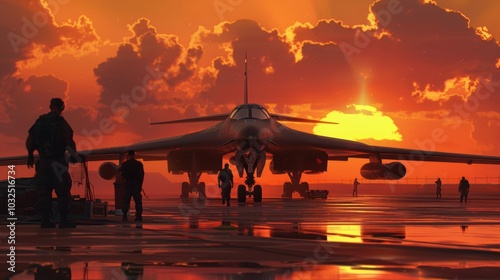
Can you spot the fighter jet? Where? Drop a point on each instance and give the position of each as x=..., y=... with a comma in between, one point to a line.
x=250, y=137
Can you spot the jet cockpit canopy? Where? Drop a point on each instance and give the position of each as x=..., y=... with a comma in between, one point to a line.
x=249, y=111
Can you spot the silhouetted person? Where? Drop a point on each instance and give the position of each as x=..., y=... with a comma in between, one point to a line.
x=225, y=181
x=463, y=189
x=355, y=190
x=51, y=136
x=464, y=228
x=438, y=188
x=132, y=172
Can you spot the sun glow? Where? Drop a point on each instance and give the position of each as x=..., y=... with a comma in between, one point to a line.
x=363, y=122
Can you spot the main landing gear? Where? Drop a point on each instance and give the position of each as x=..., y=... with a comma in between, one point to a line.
x=193, y=186
x=243, y=192
x=295, y=185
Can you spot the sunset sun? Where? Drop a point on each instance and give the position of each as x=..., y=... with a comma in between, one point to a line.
x=362, y=122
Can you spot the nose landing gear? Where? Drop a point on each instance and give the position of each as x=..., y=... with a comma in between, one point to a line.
x=256, y=192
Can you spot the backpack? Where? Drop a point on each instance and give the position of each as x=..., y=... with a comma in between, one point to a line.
x=49, y=139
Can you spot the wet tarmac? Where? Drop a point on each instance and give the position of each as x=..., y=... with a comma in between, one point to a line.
x=376, y=237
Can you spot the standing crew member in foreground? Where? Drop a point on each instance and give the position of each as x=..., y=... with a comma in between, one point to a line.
x=132, y=172
x=225, y=181
x=51, y=136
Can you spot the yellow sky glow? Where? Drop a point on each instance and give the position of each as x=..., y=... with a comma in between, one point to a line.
x=366, y=123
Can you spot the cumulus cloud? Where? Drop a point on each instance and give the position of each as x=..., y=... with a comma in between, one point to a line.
x=272, y=68
x=407, y=64
x=32, y=34
x=442, y=47
x=25, y=100
x=399, y=63
x=152, y=76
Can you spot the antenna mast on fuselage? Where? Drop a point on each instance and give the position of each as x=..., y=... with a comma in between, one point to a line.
x=245, y=97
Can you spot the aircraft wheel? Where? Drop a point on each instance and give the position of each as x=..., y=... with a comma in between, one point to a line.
x=201, y=190
x=185, y=190
x=304, y=186
x=287, y=190
x=242, y=193
x=257, y=193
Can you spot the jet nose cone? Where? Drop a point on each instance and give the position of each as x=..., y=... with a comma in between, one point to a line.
x=249, y=132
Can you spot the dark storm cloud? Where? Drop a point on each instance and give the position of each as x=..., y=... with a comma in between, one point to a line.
x=273, y=73
x=441, y=47
x=410, y=45
x=327, y=64
x=147, y=57
x=28, y=27
x=24, y=24
x=145, y=78
x=25, y=100
x=30, y=36
x=410, y=42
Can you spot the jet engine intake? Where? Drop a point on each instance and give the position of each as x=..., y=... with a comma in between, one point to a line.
x=390, y=171
x=309, y=161
x=250, y=159
x=108, y=170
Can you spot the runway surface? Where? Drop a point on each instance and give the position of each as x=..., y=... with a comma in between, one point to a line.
x=375, y=237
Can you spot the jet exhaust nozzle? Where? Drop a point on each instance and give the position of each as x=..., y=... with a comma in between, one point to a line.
x=108, y=170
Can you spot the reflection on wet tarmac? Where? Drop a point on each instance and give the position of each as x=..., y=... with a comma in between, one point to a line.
x=382, y=233
x=373, y=238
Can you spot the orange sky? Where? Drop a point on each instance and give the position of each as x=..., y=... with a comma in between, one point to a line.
x=406, y=68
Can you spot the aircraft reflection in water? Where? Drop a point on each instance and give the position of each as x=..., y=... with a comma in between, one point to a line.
x=364, y=233
x=250, y=136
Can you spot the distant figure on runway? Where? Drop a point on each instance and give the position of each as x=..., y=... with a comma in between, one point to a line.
x=225, y=181
x=463, y=189
x=464, y=228
x=438, y=188
x=355, y=190
x=132, y=172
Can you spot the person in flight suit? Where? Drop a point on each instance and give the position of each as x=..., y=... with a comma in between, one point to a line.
x=355, y=190
x=225, y=181
x=463, y=189
x=438, y=188
x=52, y=136
x=132, y=172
